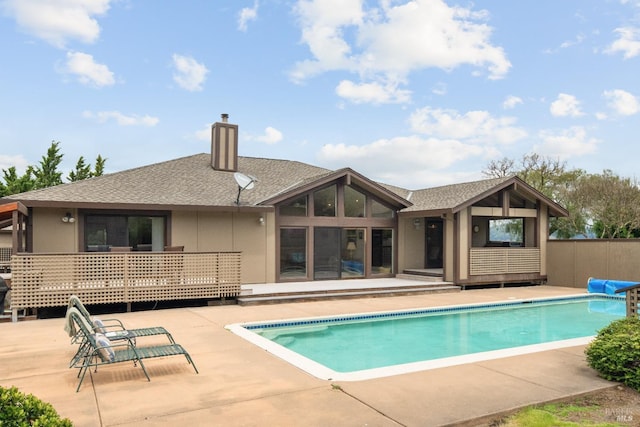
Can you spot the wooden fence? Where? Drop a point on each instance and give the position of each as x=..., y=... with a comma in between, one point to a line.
x=572, y=262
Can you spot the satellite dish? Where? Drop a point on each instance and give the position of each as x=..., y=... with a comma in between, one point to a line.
x=245, y=182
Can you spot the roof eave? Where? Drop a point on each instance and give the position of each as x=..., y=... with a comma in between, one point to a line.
x=146, y=206
x=350, y=176
x=518, y=184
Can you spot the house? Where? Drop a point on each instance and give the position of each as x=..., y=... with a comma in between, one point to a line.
x=296, y=222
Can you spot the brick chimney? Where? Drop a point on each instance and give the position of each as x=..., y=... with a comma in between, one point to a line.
x=224, y=145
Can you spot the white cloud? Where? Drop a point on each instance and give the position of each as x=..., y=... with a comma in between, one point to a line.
x=374, y=93
x=566, y=144
x=88, y=72
x=19, y=162
x=389, y=42
x=439, y=89
x=578, y=40
x=566, y=105
x=270, y=136
x=57, y=21
x=247, y=14
x=567, y=44
x=442, y=140
x=628, y=42
x=121, y=119
x=190, y=74
x=203, y=134
x=622, y=102
x=411, y=161
x=473, y=126
x=511, y=101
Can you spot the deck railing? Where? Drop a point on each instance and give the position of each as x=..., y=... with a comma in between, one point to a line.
x=47, y=280
x=487, y=261
x=5, y=259
x=632, y=297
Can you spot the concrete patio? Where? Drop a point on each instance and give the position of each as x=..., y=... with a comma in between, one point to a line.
x=242, y=385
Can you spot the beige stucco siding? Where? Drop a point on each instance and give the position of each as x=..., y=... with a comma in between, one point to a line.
x=196, y=231
x=6, y=238
x=209, y=231
x=410, y=244
x=52, y=235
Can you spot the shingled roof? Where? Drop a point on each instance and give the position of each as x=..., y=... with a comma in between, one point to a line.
x=187, y=182
x=190, y=182
x=454, y=197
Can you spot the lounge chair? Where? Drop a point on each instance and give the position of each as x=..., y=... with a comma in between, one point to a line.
x=113, y=329
x=99, y=350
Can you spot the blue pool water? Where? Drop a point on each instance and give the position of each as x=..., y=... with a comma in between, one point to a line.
x=374, y=340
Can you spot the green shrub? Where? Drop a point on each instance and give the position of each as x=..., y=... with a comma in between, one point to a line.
x=615, y=352
x=18, y=409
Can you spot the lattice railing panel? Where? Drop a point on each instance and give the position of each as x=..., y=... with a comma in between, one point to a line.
x=632, y=296
x=47, y=280
x=487, y=261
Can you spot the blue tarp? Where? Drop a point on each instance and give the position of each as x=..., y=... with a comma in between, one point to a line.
x=609, y=287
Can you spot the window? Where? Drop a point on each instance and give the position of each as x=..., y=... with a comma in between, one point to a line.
x=354, y=202
x=506, y=232
x=297, y=207
x=293, y=252
x=140, y=232
x=324, y=202
x=378, y=210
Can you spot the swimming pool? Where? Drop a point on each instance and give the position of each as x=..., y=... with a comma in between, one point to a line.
x=370, y=345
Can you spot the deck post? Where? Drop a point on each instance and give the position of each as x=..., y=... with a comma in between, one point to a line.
x=631, y=298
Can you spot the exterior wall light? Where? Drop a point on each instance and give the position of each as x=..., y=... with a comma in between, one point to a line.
x=261, y=220
x=416, y=223
x=68, y=218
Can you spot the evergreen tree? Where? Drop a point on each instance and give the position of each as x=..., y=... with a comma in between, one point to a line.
x=16, y=184
x=99, y=169
x=82, y=171
x=47, y=173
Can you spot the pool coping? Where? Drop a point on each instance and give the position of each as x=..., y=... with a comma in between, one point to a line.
x=322, y=372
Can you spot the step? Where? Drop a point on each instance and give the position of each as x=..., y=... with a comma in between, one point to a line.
x=332, y=294
x=419, y=277
x=284, y=291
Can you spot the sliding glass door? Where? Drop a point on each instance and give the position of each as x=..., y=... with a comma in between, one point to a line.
x=338, y=253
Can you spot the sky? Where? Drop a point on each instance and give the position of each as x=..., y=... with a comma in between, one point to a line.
x=415, y=93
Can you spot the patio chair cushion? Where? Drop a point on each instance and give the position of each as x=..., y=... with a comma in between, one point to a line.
x=106, y=352
x=98, y=325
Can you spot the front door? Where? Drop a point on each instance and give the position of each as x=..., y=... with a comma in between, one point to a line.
x=433, y=243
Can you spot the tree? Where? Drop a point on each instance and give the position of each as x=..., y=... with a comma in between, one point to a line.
x=99, y=169
x=16, y=184
x=83, y=171
x=612, y=202
x=500, y=168
x=47, y=173
x=553, y=179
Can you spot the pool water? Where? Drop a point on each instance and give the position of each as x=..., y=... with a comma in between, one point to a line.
x=375, y=341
